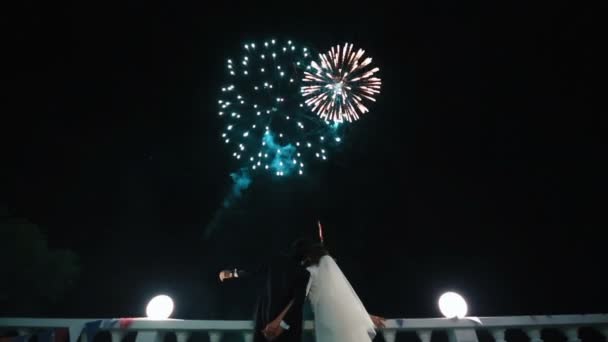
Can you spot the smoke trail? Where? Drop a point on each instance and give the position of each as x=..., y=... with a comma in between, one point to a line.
x=283, y=161
x=241, y=181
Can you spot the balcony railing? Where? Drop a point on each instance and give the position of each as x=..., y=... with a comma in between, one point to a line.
x=458, y=330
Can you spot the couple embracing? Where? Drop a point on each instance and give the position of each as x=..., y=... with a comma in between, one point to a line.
x=308, y=271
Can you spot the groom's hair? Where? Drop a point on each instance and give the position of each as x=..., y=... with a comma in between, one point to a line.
x=308, y=251
x=314, y=254
x=300, y=248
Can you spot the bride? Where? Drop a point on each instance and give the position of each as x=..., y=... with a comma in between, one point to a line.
x=339, y=313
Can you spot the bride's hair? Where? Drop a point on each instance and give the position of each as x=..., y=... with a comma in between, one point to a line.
x=314, y=254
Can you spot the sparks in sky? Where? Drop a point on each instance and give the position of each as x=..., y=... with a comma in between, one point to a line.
x=266, y=122
x=340, y=84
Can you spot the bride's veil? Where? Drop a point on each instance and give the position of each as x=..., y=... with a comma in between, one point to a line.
x=336, y=303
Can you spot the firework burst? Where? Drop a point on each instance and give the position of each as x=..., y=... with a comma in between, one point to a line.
x=340, y=84
x=266, y=123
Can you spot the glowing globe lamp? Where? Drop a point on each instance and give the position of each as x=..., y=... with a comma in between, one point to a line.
x=160, y=307
x=452, y=305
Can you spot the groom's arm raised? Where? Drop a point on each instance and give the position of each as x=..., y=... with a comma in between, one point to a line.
x=233, y=273
x=239, y=273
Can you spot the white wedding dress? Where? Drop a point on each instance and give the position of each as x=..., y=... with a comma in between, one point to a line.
x=339, y=314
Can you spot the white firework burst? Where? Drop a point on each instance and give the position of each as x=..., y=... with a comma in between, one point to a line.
x=339, y=85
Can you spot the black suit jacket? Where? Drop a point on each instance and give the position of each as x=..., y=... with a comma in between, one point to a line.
x=283, y=280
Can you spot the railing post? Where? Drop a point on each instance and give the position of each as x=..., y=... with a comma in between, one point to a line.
x=181, y=336
x=24, y=332
x=117, y=335
x=424, y=335
x=215, y=336
x=149, y=336
x=462, y=335
x=534, y=335
x=499, y=335
x=571, y=334
x=389, y=335
x=247, y=336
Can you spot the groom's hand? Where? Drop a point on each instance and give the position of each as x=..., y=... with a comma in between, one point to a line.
x=272, y=330
x=226, y=274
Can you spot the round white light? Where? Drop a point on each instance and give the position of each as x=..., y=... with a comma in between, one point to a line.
x=160, y=307
x=452, y=305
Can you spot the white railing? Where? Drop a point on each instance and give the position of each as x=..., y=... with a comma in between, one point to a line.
x=458, y=330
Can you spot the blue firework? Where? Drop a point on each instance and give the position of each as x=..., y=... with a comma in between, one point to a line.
x=267, y=125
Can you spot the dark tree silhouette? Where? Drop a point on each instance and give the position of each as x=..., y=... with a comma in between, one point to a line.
x=33, y=275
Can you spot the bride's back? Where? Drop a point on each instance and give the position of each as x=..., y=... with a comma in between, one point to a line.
x=339, y=313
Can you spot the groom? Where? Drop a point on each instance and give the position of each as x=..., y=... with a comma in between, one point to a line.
x=285, y=281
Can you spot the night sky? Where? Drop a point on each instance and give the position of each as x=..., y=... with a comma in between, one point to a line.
x=480, y=168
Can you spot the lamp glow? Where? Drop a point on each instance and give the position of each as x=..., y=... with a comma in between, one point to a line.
x=159, y=307
x=452, y=305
